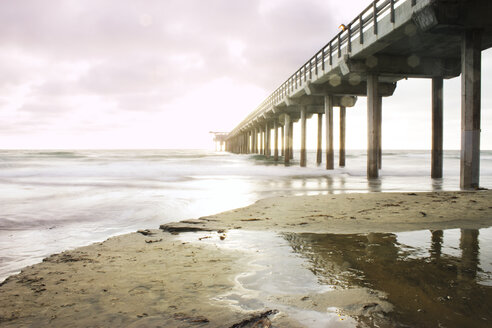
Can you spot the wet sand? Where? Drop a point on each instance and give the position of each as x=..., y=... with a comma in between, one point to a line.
x=157, y=278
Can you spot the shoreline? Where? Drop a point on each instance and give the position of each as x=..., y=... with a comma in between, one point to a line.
x=154, y=277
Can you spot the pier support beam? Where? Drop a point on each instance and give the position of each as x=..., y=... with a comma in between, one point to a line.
x=282, y=148
x=287, y=139
x=379, y=130
x=240, y=144
x=262, y=144
x=303, y=135
x=341, y=159
x=372, y=126
x=267, y=139
x=256, y=141
x=250, y=134
x=291, y=140
x=246, y=142
x=437, y=127
x=320, y=141
x=275, y=140
x=329, y=132
x=470, y=109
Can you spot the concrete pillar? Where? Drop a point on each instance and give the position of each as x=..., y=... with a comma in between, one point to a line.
x=372, y=125
x=379, y=131
x=248, y=144
x=341, y=158
x=263, y=135
x=437, y=127
x=245, y=143
x=257, y=136
x=255, y=142
x=243, y=139
x=275, y=139
x=286, y=139
x=261, y=141
x=267, y=139
x=265, y=142
x=303, y=135
x=262, y=144
x=282, y=148
x=320, y=136
x=291, y=140
x=251, y=145
x=471, y=58
x=258, y=141
x=329, y=132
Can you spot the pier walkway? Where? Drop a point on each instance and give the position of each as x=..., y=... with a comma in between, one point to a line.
x=389, y=41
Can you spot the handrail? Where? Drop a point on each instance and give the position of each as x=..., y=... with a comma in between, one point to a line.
x=334, y=47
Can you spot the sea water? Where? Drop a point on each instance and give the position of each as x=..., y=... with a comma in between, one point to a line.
x=51, y=201
x=413, y=279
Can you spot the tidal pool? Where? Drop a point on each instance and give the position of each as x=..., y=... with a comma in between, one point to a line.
x=407, y=279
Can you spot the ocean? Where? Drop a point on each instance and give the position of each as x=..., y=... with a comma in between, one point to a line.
x=51, y=201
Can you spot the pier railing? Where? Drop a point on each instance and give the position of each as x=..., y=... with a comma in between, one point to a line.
x=342, y=42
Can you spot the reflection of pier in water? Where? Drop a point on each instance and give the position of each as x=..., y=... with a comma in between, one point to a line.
x=427, y=289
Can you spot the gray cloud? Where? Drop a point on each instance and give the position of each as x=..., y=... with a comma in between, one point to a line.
x=139, y=56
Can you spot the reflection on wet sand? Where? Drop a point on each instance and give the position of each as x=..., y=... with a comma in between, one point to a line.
x=427, y=289
x=374, y=185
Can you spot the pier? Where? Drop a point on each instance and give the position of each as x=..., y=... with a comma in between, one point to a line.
x=388, y=41
x=219, y=140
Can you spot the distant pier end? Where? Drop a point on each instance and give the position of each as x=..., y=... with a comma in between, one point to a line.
x=219, y=140
x=390, y=40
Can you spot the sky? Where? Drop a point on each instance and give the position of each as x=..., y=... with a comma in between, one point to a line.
x=111, y=74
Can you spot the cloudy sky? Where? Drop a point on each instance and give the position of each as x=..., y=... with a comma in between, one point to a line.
x=163, y=73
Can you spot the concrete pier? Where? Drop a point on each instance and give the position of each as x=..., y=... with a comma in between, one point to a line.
x=287, y=139
x=437, y=128
x=303, y=136
x=387, y=42
x=319, y=139
x=329, y=132
x=379, y=129
x=267, y=140
x=372, y=126
x=341, y=158
x=262, y=142
x=275, y=140
x=250, y=142
x=282, y=148
x=471, y=58
x=291, y=140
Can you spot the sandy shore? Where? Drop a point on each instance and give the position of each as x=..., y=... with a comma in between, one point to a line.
x=155, y=278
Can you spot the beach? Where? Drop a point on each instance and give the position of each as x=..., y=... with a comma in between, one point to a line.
x=155, y=173
x=52, y=201
x=202, y=272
